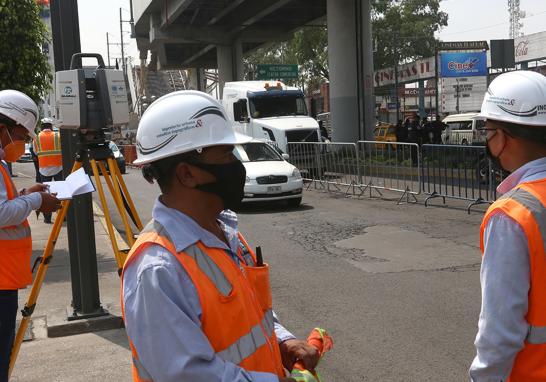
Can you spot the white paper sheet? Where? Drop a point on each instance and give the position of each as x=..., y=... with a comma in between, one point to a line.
x=75, y=184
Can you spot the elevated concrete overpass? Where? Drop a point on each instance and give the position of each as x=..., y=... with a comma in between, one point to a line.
x=186, y=34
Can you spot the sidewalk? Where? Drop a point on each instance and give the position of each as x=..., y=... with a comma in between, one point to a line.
x=102, y=355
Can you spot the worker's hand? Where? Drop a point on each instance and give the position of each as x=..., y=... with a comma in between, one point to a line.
x=297, y=350
x=38, y=187
x=50, y=203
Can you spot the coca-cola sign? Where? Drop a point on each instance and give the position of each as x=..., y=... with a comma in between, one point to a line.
x=530, y=48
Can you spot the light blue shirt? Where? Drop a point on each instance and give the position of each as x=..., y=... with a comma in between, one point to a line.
x=163, y=311
x=505, y=280
x=15, y=211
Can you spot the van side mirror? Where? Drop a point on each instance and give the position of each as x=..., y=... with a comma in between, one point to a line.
x=240, y=111
x=285, y=156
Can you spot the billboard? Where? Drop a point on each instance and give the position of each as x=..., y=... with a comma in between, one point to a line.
x=463, y=64
x=463, y=93
x=421, y=69
x=531, y=47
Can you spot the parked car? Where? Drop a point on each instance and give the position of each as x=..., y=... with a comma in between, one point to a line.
x=269, y=177
x=462, y=129
x=119, y=157
x=384, y=132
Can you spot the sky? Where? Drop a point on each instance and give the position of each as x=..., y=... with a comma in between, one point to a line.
x=468, y=20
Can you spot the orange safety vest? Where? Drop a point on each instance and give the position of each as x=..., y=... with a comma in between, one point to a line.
x=15, y=247
x=237, y=315
x=48, y=149
x=526, y=204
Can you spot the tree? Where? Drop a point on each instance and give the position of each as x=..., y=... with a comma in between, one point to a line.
x=23, y=66
x=403, y=30
x=308, y=48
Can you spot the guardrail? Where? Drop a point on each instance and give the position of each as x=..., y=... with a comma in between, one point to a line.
x=390, y=166
x=329, y=166
x=457, y=172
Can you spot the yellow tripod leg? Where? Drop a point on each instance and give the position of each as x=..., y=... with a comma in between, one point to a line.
x=100, y=190
x=39, y=279
x=114, y=165
x=114, y=191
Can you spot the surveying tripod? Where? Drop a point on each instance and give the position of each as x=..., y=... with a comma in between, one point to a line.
x=98, y=156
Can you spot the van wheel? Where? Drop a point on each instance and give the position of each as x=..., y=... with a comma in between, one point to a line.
x=464, y=142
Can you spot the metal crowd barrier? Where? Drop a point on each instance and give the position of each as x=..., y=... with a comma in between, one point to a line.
x=390, y=166
x=329, y=166
x=457, y=172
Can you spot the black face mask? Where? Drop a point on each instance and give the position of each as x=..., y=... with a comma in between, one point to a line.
x=229, y=184
x=495, y=161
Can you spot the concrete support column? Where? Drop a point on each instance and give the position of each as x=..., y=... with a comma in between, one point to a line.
x=351, y=70
x=225, y=66
x=195, y=79
x=239, y=69
x=230, y=63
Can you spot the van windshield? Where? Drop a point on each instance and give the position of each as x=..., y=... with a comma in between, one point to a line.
x=276, y=104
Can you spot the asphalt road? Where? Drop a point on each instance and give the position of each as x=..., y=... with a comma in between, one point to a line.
x=396, y=286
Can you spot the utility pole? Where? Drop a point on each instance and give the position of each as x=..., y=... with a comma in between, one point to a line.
x=108, y=49
x=122, y=47
x=395, y=55
x=81, y=232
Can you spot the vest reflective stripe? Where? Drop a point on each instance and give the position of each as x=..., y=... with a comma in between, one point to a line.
x=536, y=335
x=15, y=233
x=141, y=370
x=249, y=343
x=534, y=206
x=209, y=267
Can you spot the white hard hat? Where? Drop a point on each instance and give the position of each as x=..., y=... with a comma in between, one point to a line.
x=181, y=122
x=47, y=120
x=20, y=108
x=516, y=97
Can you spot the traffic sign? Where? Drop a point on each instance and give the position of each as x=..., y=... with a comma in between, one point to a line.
x=277, y=72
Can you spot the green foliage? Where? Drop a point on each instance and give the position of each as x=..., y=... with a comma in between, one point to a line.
x=308, y=48
x=23, y=66
x=404, y=30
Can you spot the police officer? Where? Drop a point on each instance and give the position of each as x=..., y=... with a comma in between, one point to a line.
x=18, y=114
x=511, y=340
x=196, y=299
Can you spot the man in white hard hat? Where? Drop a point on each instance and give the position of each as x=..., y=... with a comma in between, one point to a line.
x=18, y=114
x=511, y=340
x=196, y=300
x=47, y=146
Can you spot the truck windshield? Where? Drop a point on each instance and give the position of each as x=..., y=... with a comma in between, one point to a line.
x=277, y=104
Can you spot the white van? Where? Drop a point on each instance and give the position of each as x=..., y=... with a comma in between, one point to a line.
x=462, y=129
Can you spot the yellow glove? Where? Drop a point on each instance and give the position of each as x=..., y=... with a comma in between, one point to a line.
x=302, y=376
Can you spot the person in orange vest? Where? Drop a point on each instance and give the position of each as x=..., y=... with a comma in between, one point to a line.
x=196, y=299
x=18, y=114
x=47, y=146
x=511, y=339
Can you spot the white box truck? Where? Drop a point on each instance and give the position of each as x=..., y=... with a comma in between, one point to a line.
x=271, y=111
